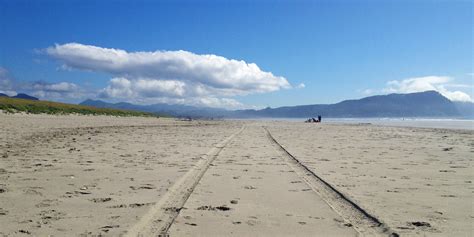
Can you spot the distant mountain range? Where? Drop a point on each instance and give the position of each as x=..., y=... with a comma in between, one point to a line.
x=20, y=96
x=173, y=110
x=421, y=104
x=466, y=109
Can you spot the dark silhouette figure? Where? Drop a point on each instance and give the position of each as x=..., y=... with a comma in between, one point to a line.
x=313, y=120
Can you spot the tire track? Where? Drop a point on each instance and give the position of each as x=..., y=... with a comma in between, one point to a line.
x=363, y=222
x=161, y=216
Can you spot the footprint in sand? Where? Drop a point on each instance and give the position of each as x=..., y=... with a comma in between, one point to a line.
x=33, y=191
x=211, y=208
x=100, y=200
x=50, y=215
x=420, y=224
x=251, y=222
x=448, y=195
x=3, y=212
x=144, y=186
x=108, y=227
x=47, y=203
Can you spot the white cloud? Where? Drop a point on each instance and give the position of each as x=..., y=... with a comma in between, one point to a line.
x=121, y=87
x=41, y=89
x=454, y=95
x=436, y=83
x=146, y=91
x=367, y=91
x=55, y=87
x=300, y=86
x=162, y=74
x=142, y=91
x=61, y=90
x=219, y=103
x=6, y=82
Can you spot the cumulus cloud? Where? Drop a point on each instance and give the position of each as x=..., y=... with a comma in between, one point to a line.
x=41, y=89
x=210, y=70
x=124, y=88
x=436, y=83
x=218, y=103
x=168, y=74
x=47, y=90
x=160, y=91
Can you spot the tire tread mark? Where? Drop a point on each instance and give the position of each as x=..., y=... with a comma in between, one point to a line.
x=161, y=216
x=362, y=221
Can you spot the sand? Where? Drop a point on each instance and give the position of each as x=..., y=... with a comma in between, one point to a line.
x=97, y=175
x=417, y=180
x=263, y=194
x=78, y=175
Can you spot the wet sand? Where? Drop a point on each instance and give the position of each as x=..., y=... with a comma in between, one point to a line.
x=80, y=175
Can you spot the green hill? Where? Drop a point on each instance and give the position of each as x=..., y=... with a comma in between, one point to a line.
x=13, y=105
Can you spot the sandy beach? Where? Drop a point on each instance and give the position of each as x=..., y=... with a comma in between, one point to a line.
x=97, y=175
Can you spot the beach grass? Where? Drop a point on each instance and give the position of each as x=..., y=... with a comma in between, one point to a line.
x=14, y=105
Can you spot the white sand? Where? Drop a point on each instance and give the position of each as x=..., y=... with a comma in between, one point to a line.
x=401, y=175
x=265, y=197
x=92, y=175
x=73, y=175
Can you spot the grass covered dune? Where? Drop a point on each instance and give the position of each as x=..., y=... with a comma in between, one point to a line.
x=13, y=105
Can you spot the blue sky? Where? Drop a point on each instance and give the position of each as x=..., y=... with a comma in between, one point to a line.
x=337, y=49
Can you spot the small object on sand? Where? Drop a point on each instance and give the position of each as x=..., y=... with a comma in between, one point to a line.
x=313, y=120
x=223, y=208
x=211, y=208
x=421, y=224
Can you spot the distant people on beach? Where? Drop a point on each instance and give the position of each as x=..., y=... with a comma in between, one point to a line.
x=313, y=120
